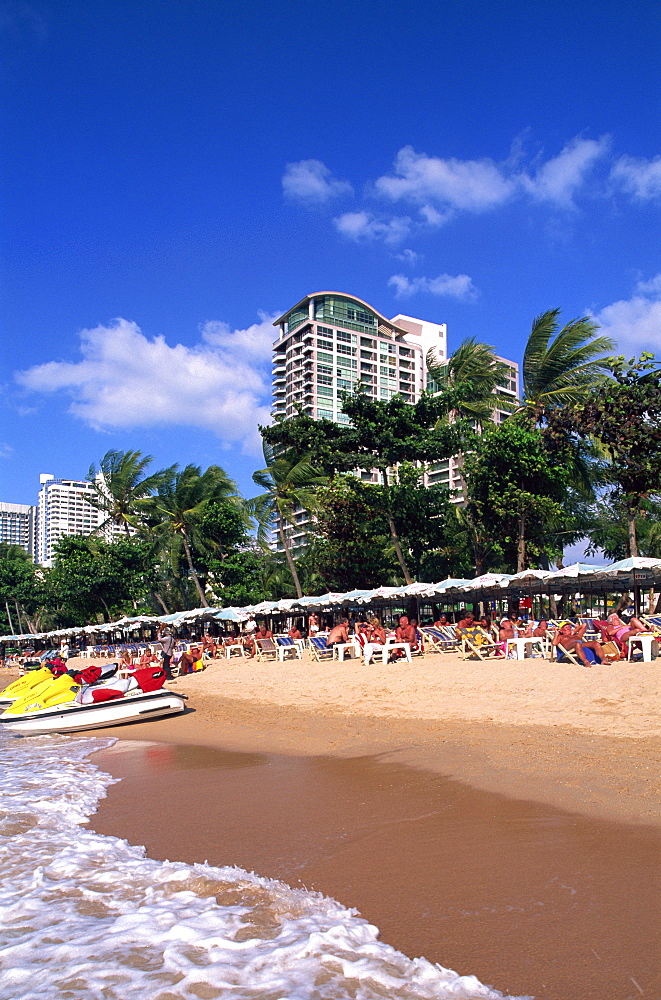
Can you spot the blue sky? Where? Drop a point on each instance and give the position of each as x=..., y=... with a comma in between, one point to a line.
x=177, y=174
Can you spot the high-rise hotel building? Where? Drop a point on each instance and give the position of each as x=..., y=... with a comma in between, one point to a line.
x=62, y=509
x=330, y=341
x=17, y=525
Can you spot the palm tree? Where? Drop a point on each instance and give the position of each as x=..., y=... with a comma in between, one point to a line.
x=289, y=483
x=562, y=366
x=121, y=488
x=180, y=504
x=471, y=378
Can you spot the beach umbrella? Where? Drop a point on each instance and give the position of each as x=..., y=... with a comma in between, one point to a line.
x=230, y=615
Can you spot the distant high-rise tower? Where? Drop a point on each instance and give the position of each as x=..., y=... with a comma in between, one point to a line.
x=63, y=509
x=17, y=525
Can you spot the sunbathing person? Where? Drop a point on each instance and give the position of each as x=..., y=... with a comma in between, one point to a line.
x=294, y=633
x=209, y=646
x=339, y=633
x=441, y=622
x=405, y=632
x=569, y=639
x=620, y=631
x=376, y=640
x=191, y=660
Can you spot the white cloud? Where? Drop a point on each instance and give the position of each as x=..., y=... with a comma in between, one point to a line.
x=458, y=286
x=365, y=226
x=635, y=323
x=311, y=182
x=126, y=379
x=6, y=450
x=408, y=256
x=559, y=178
x=471, y=185
x=639, y=177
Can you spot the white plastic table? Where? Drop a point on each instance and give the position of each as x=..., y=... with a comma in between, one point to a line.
x=341, y=647
x=649, y=645
x=390, y=645
x=522, y=642
x=235, y=646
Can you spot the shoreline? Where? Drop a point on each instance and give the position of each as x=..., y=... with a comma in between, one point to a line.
x=533, y=899
x=477, y=837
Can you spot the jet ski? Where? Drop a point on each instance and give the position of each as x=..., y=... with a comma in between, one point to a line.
x=66, y=706
x=36, y=681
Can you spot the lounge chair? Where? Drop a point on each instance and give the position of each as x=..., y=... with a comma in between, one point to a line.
x=266, y=649
x=442, y=640
x=319, y=649
x=287, y=647
x=476, y=642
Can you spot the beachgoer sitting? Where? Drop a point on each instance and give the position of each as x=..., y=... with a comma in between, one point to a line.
x=148, y=658
x=191, y=660
x=126, y=661
x=506, y=631
x=338, y=634
x=441, y=622
x=249, y=642
x=294, y=633
x=209, y=646
x=465, y=619
x=375, y=640
x=621, y=631
x=405, y=632
x=569, y=638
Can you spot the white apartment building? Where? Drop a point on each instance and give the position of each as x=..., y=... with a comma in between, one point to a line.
x=62, y=509
x=17, y=525
x=329, y=342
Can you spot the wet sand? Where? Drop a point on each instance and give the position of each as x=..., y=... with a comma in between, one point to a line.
x=529, y=898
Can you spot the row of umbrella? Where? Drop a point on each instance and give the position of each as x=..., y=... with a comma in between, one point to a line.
x=629, y=572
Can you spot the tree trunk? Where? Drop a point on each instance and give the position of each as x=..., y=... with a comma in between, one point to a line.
x=31, y=624
x=109, y=618
x=521, y=544
x=633, y=541
x=161, y=602
x=205, y=603
x=289, y=557
x=393, y=531
x=11, y=625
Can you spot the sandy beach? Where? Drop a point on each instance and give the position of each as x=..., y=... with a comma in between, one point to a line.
x=500, y=818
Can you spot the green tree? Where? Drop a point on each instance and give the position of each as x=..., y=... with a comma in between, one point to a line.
x=625, y=420
x=289, y=482
x=470, y=379
x=562, y=366
x=122, y=490
x=21, y=591
x=517, y=491
x=350, y=537
x=179, y=507
x=91, y=578
x=426, y=522
x=381, y=436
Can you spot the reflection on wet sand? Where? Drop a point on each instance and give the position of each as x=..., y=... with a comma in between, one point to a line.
x=526, y=897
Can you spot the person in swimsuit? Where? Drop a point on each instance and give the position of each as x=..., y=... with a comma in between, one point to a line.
x=619, y=629
x=570, y=639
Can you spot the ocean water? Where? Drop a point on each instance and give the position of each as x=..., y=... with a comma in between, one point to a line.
x=89, y=916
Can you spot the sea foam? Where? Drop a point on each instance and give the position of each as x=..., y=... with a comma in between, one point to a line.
x=89, y=916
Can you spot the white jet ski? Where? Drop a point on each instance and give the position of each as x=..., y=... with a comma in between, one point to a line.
x=67, y=707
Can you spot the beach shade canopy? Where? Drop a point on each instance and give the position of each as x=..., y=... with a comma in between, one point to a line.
x=625, y=567
x=487, y=581
x=231, y=615
x=528, y=575
x=574, y=571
